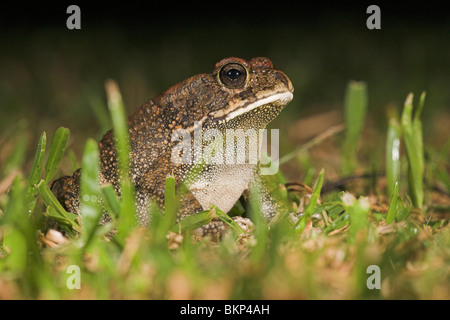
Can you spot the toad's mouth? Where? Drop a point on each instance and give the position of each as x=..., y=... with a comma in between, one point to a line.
x=276, y=101
x=256, y=114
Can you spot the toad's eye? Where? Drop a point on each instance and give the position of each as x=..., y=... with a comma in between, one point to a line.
x=233, y=75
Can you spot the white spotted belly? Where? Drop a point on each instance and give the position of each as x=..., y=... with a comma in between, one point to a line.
x=222, y=185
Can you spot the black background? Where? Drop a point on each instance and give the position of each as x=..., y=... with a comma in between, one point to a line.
x=175, y=13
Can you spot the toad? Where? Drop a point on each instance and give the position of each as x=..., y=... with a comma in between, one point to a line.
x=237, y=95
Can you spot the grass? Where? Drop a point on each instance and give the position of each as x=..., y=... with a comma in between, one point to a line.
x=412, y=135
x=355, y=107
x=320, y=246
x=119, y=120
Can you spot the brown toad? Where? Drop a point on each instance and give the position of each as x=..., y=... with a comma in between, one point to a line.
x=238, y=94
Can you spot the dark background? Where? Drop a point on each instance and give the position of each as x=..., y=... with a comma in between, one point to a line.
x=51, y=76
x=145, y=13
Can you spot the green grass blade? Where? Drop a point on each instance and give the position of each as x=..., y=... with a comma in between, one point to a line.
x=256, y=215
x=21, y=240
x=90, y=191
x=50, y=200
x=127, y=219
x=36, y=168
x=52, y=213
x=420, y=106
x=16, y=242
x=358, y=211
x=412, y=135
x=390, y=217
x=355, y=107
x=56, y=151
x=194, y=221
x=162, y=223
x=418, y=132
x=228, y=220
x=393, y=152
x=100, y=111
x=110, y=200
x=25, y=256
x=35, y=173
x=309, y=210
x=170, y=201
x=16, y=158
